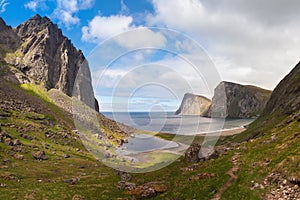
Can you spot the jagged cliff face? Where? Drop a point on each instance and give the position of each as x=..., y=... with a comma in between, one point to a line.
x=46, y=57
x=37, y=52
x=193, y=105
x=241, y=101
x=285, y=100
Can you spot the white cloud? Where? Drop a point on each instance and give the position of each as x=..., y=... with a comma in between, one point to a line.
x=141, y=38
x=3, y=4
x=34, y=5
x=67, y=10
x=124, y=9
x=261, y=37
x=85, y=4
x=101, y=28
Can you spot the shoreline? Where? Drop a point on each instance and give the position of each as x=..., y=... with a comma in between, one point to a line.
x=224, y=132
x=144, y=156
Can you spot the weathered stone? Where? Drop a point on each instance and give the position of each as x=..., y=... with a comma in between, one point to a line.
x=78, y=197
x=149, y=192
x=192, y=153
x=124, y=185
x=125, y=176
x=66, y=156
x=16, y=142
x=72, y=180
x=19, y=157
x=8, y=142
x=40, y=155
x=207, y=153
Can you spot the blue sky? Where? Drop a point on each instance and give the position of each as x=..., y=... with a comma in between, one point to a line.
x=17, y=11
x=249, y=42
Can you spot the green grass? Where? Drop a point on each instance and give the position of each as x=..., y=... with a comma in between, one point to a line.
x=37, y=90
x=98, y=181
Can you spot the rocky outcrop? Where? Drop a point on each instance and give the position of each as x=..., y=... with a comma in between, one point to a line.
x=193, y=105
x=46, y=55
x=232, y=100
x=37, y=52
x=285, y=100
x=47, y=58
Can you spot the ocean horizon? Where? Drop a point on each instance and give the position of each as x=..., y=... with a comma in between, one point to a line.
x=168, y=122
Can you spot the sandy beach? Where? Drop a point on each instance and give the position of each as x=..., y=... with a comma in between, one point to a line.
x=226, y=132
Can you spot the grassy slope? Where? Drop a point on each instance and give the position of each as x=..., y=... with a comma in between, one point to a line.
x=263, y=156
x=95, y=179
x=99, y=182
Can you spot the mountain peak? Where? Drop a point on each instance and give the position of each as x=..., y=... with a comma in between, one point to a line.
x=34, y=25
x=45, y=55
x=2, y=23
x=36, y=17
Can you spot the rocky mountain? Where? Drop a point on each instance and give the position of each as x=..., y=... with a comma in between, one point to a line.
x=274, y=140
x=285, y=99
x=232, y=100
x=46, y=57
x=37, y=53
x=193, y=105
x=9, y=40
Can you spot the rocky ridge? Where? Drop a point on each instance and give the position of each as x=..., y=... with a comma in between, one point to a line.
x=286, y=97
x=46, y=55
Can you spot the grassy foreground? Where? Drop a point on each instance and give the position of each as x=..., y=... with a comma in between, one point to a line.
x=71, y=170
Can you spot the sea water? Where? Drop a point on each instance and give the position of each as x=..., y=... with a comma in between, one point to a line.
x=175, y=124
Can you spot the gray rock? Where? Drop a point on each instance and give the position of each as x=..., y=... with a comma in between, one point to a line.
x=149, y=192
x=124, y=185
x=208, y=153
x=66, y=156
x=194, y=105
x=72, y=180
x=46, y=57
x=191, y=155
x=232, y=100
x=8, y=142
x=16, y=142
x=40, y=155
x=125, y=176
x=78, y=197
